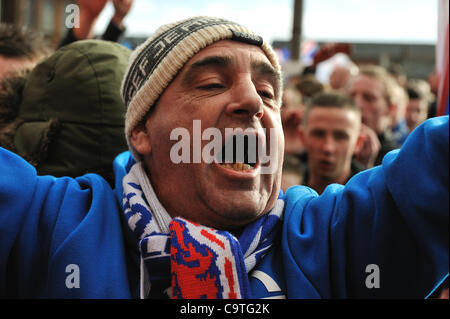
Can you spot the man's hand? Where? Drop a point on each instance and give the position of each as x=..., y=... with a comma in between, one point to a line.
x=92, y=8
x=121, y=7
x=89, y=12
x=367, y=153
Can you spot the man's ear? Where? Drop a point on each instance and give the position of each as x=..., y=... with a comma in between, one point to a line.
x=140, y=140
x=391, y=112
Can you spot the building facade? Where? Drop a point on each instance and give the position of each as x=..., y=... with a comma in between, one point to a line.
x=46, y=16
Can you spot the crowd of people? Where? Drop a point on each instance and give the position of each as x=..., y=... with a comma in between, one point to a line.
x=389, y=110
x=78, y=109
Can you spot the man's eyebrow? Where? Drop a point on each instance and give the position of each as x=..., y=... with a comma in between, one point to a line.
x=266, y=70
x=215, y=60
x=206, y=63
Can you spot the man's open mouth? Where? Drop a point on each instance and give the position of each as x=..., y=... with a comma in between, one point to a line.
x=240, y=152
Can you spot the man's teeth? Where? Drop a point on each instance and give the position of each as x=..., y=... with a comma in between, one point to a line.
x=238, y=166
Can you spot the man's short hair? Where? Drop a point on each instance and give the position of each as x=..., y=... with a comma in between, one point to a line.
x=381, y=74
x=331, y=99
x=16, y=42
x=419, y=89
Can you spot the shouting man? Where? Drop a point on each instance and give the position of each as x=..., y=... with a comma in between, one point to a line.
x=219, y=227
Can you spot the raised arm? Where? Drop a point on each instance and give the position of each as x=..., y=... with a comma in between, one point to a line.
x=48, y=224
x=386, y=233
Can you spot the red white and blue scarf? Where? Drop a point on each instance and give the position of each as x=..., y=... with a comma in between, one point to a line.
x=182, y=259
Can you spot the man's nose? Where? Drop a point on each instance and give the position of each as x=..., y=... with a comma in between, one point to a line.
x=246, y=102
x=328, y=145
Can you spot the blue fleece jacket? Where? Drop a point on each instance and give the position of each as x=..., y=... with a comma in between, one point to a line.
x=385, y=234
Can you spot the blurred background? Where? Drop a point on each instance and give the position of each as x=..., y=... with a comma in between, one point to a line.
x=384, y=32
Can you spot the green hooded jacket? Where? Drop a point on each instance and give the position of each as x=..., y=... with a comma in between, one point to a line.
x=72, y=115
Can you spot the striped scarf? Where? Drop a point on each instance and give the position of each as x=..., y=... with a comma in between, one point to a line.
x=182, y=259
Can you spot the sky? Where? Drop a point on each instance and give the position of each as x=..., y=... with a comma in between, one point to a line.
x=379, y=21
